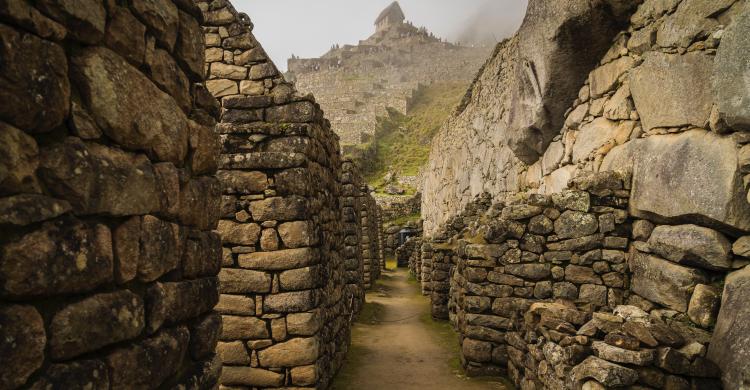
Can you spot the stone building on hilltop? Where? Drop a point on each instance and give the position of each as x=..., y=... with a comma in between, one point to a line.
x=354, y=84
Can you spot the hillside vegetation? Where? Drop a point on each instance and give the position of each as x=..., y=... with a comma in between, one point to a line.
x=401, y=143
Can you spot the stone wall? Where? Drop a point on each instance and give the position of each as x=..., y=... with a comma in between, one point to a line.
x=372, y=255
x=292, y=278
x=108, y=259
x=569, y=290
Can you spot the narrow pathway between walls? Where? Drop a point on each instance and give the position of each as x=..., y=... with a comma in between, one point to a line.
x=396, y=344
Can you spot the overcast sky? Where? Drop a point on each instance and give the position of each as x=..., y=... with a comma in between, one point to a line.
x=308, y=28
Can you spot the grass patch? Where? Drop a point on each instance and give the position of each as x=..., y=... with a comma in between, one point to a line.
x=391, y=263
x=403, y=220
x=402, y=141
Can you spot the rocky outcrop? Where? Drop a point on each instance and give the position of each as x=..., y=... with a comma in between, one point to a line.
x=108, y=258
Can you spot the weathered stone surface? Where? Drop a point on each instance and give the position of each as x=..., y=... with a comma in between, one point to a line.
x=521, y=211
x=239, y=233
x=168, y=76
x=297, y=234
x=173, y=302
x=160, y=248
x=235, y=304
x=84, y=20
x=699, y=170
x=575, y=224
x=248, y=376
x=91, y=374
x=477, y=351
x=22, y=210
x=233, y=353
x=704, y=305
x=304, y=375
x=529, y=271
x=295, y=352
x=302, y=324
x=604, y=372
x=94, y=322
x=693, y=19
x=279, y=209
x=28, y=17
x=18, y=162
x=572, y=200
x=295, y=112
x=664, y=282
x=39, y=265
x=127, y=368
x=35, y=90
x=128, y=107
x=692, y=245
x=549, y=74
x=598, y=133
x=98, y=179
x=200, y=204
x=189, y=49
x=22, y=345
x=619, y=355
x=577, y=274
x=204, y=336
x=290, y=302
x=730, y=342
x=162, y=16
x=243, y=328
x=300, y=279
x=672, y=90
x=238, y=281
x=604, y=78
x=126, y=35
x=238, y=182
x=279, y=260
x=730, y=75
x=202, y=255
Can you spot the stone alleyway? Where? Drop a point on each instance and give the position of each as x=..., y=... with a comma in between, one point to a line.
x=396, y=345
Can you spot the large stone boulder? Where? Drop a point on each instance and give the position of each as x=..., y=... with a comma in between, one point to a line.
x=692, y=245
x=664, y=282
x=559, y=44
x=730, y=344
x=672, y=90
x=731, y=78
x=691, y=177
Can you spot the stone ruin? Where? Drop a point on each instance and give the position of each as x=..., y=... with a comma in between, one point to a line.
x=355, y=84
x=176, y=215
x=143, y=243
x=602, y=245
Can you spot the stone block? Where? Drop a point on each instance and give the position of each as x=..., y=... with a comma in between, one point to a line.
x=128, y=107
x=239, y=233
x=25, y=209
x=38, y=264
x=290, y=302
x=297, y=234
x=172, y=302
x=280, y=260
x=243, y=328
x=671, y=90
x=132, y=367
x=204, y=336
x=105, y=178
x=22, y=345
x=162, y=16
x=279, y=209
x=692, y=245
x=18, y=162
x=730, y=344
x=95, y=322
x=238, y=182
x=575, y=224
x=664, y=282
x=292, y=353
x=79, y=374
x=249, y=376
x=37, y=90
x=239, y=281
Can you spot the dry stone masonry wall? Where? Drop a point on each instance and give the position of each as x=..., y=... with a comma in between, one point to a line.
x=293, y=221
x=653, y=299
x=108, y=198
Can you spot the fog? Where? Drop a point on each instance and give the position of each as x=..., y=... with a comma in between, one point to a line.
x=308, y=28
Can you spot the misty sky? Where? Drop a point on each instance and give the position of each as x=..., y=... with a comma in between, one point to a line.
x=308, y=28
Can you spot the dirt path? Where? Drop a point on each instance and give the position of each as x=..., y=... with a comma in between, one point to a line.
x=396, y=345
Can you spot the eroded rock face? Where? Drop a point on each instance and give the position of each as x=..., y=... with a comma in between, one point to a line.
x=559, y=43
x=664, y=282
x=731, y=74
x=730, y=344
